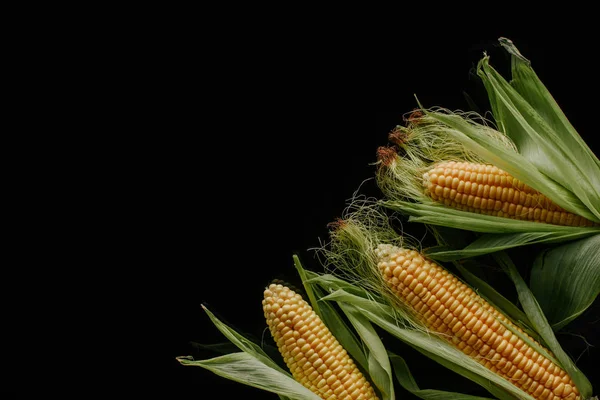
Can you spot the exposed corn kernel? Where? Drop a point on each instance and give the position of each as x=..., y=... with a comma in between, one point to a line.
x=467, y=186
x=473, y=325
x=313, y=355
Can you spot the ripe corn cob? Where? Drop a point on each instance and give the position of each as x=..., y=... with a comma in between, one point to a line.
x=312, y=354
x=486, y=189
x=446, y=305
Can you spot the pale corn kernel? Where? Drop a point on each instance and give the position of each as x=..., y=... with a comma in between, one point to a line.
x=313, y=355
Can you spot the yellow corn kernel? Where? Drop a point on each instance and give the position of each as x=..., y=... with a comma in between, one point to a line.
x=316, y=359
x=489, y=192
x=473, y=326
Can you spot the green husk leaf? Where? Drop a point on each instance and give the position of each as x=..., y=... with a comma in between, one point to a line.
x=242, y=343
x=407, y=381
x=330, y=317
x=561, y=132
x=528, y=84
x=502, y=233
x=331, y=282
x=490, y=243
x=566, y=280
x=541, y=325
x=432, y=346
x=436, y=214
x=380, y=369
x=244, y=368
x=536, y=140
x=307, y=287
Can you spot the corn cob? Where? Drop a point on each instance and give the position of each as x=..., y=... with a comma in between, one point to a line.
x=311, y=352
x=446, y=305
x=486, y=189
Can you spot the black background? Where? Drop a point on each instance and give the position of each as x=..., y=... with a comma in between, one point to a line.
x=169, y=157
x=271, y=139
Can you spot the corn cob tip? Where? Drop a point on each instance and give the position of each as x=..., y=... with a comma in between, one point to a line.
x=384, y=251
x=311, y=352
x=287, y=284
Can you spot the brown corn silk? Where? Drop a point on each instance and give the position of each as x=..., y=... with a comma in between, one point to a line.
x=447, y=306
x=486, y=189
x=311, y=352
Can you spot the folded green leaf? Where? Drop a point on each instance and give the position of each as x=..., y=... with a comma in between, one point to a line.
x=435, y=214
x=490, y=243
x=501, y=233
x=539, y=144
x=566, y=280
x=330, y=282
x=309, y=292
x=242, y=343
x=407, y=381
x=541, y=325
x=527, y=84
x=380, y=369
x=244, y=368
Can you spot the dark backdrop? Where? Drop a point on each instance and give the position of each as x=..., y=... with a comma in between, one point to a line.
x=274, y=142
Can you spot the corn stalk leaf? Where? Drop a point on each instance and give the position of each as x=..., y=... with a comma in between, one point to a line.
x=541, y=325
x=380, y=369
x=243, y=343
x=566, y=280
x=407, y=381
x=432, y=346
x=242, y=367
x=330, y=317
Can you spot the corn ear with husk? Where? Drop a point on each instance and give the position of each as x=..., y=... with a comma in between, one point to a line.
x=322, y=364
x=421, y=297
x=528, y=177
x=311, y=352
